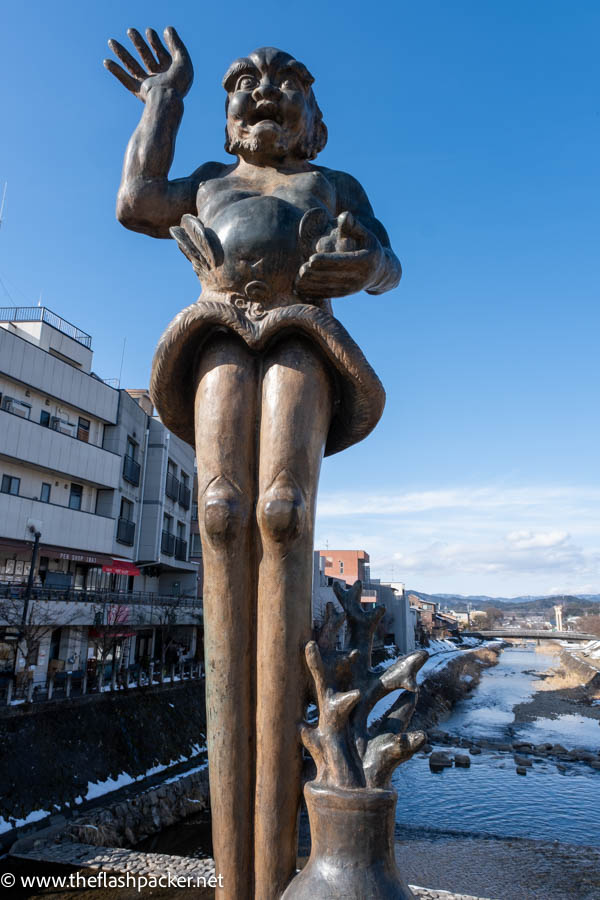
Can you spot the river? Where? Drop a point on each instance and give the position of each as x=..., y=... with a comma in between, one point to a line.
x=490, y=798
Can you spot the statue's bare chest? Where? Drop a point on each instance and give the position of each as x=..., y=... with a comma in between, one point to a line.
x=218, y=199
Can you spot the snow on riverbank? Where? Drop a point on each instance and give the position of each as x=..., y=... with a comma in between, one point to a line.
x=441, y=652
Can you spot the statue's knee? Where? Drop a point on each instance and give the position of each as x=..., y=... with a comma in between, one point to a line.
x=282, y=510
x=226, y=511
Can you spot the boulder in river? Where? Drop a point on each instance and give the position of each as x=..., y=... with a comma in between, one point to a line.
x=522, y=761
x=462, y=761
x=438, y=761
x=521, y=770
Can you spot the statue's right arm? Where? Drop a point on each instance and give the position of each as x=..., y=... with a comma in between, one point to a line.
x=147, y=201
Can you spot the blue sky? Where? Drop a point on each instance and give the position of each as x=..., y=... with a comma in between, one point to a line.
x=474, y=128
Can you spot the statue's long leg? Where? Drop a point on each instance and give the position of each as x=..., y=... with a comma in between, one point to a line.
x=225, y=412
x=295, y=417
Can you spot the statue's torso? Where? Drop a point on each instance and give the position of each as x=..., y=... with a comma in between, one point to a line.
x=257, y=223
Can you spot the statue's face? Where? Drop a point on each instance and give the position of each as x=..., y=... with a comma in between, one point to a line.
x=268, y=104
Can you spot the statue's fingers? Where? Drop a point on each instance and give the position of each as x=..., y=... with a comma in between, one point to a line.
x=320, y=262
x=350, y=226
x=142, y=48
x=155, y=42
x=126, y=80
x=127, y=59
x=174, y=43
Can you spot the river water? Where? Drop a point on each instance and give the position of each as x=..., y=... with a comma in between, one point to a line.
x=489, y=798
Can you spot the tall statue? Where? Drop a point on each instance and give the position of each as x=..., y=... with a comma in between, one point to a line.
x=260, y=377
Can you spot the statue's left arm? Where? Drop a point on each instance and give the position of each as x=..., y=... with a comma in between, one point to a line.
x=356, y=255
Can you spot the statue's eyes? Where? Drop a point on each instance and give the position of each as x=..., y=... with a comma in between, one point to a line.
x=288, y=82
x=246, y=83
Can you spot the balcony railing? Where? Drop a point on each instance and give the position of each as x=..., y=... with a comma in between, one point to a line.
x=172, y=486
x=167, y=543
x=184, y=496
x=131, y=471
x=42, y=314
x=125, y=532
x=77, y=595
x=180, y=549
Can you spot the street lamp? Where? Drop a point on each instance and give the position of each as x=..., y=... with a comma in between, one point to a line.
x=35, y=528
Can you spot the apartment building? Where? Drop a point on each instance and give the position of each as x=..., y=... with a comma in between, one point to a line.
x=90, y=469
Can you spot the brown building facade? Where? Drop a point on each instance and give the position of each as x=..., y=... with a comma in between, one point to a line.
x=349, y=565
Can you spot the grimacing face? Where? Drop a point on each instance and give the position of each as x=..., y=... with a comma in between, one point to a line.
x=270, y=106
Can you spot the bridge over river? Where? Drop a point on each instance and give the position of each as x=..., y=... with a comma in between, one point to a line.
x=523, y=635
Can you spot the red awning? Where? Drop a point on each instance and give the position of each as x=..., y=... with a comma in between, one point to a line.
x=121, y=567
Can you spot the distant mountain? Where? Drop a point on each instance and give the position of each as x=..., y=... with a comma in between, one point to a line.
x=460, y=602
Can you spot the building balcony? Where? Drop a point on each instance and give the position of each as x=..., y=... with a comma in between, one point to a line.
x=125, y=532
x=29, y=364
x=131, y=471
x=167, y=543
x=48, y=449
x=184, y=496
x=172, y=486
x=61, y=526
x=180, y=549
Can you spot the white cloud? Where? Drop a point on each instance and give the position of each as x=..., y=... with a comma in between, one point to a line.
x=526, y=540
x=487, y=539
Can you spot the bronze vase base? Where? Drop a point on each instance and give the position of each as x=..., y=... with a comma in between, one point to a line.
x=352, y=856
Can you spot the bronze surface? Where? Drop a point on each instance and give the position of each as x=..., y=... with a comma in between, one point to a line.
x=261, y=376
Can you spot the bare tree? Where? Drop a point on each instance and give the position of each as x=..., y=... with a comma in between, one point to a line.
x=109, y=621
x=31, y=623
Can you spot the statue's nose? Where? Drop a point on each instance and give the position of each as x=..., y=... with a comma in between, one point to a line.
x=266, y=90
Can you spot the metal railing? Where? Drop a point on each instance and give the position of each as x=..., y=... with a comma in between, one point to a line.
x=184, y=496
x=131, y=470
x=70, y=685
x=180, y=549
x=167, y=543
x=9, y=590
x=43, y=314
x=125, y=532
x=172, y=486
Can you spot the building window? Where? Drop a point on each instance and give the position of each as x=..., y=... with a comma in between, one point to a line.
x=341, y=567
x=10, y=485
x=75, y=496
x=172, y=485
x=196, y=545
x=167, y=523
x=45, y=418
x=126, y=509
x=131, y=468
x=83, y=430
x=45, y=492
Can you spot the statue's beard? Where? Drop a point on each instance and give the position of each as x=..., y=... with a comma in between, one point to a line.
x=256, y=143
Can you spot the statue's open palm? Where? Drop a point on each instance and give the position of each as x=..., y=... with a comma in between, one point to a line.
x=169, y=68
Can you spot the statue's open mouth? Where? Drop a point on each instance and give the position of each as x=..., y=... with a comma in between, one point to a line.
x=265, y=112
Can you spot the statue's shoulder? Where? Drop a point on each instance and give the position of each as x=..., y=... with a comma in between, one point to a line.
x=350, y=192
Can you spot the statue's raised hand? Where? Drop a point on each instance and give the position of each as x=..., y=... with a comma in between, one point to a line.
x=171, y=68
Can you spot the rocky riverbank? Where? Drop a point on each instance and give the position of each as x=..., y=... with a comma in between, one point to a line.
x=445, y=685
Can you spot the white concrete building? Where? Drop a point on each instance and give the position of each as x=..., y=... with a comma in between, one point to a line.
x=92, y=470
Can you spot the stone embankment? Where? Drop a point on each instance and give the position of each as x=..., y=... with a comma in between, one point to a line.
x=585, y=670
x=73, y=745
